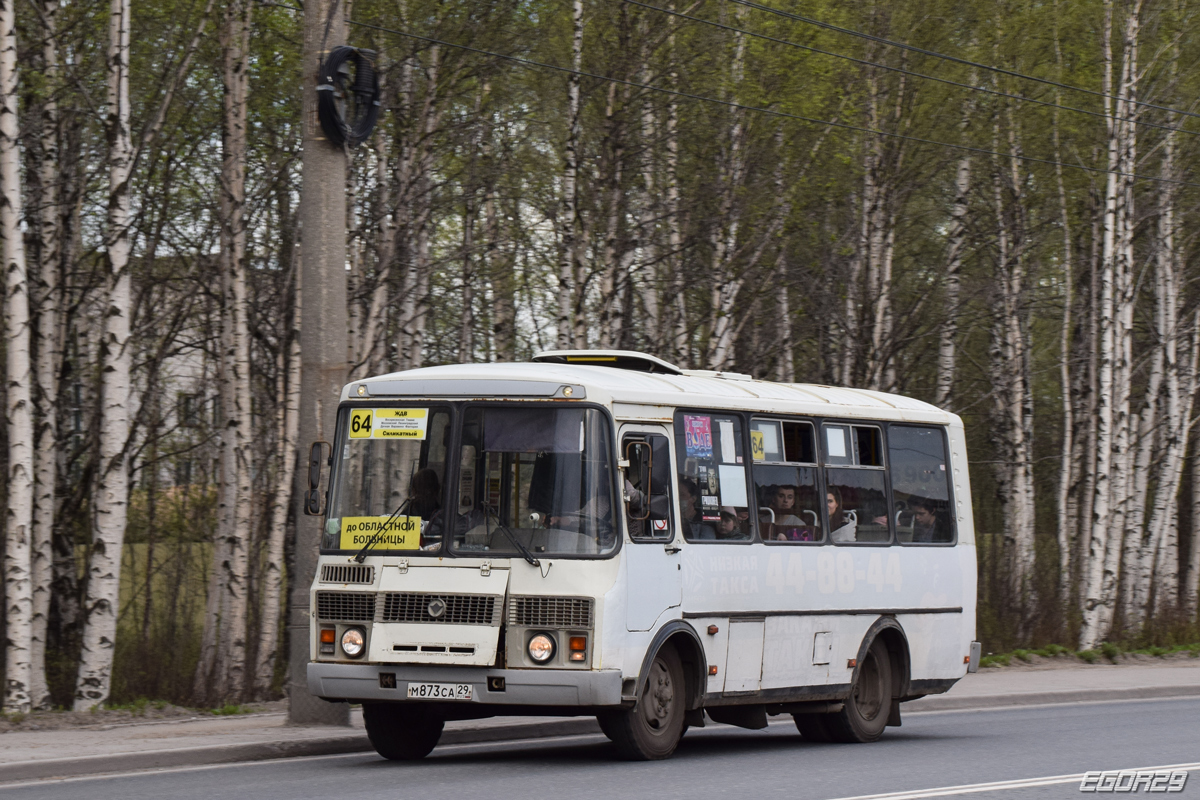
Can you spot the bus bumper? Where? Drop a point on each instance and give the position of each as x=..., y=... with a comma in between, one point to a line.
x=521, y=687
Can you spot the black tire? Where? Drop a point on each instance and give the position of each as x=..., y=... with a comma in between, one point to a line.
x=401, y=732
x=865, y=713
x=651, y=730
x=812, y=727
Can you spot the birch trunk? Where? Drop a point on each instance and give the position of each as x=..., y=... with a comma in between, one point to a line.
x=49, y=359
x=1125, y=503
x=726, y=283
x=947, y=365
x=680, y=345
x=288, y=393
x=1066, y=538
x=111, y=502
x=239, y=466
x=1010, y=380
x=1093, y=627
x=569, y=224
x=411, y=347
x=18, y=551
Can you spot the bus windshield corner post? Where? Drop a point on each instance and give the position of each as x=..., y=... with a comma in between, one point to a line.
x=312, y=498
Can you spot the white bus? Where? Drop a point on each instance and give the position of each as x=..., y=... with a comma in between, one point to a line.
x=602, y=533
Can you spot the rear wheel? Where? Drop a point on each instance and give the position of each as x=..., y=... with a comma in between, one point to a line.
x=865, y=713
x=400, y=732
x=652, y=729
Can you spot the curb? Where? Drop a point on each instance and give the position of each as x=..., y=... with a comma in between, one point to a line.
x=336, y=744
x=356, y=742
x=943, y=703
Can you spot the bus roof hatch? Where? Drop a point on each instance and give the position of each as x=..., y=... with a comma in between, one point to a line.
x=618, y=359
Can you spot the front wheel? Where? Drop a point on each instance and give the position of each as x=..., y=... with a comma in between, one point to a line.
x=401, y=732
x=865, y=713
x=652, y=729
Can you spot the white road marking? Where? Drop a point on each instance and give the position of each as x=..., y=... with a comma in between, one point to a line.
x=1000, y=786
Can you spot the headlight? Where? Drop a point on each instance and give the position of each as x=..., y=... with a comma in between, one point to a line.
x=541, y=648
x=353, y=642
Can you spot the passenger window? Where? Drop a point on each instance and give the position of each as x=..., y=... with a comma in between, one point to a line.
x=920, y=485
x=789, y=504
x=713, y=502
x=855, y=491
x=646, y=487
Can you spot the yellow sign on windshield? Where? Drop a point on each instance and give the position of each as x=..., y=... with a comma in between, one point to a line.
x=388, y=423
x=403, y=534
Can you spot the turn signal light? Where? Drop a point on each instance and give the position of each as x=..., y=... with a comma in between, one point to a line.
x=327, y=635
x=851, y=663
x=712, y=669
x=578, y=646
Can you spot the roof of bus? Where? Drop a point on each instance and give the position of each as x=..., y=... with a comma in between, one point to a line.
x=606, y=385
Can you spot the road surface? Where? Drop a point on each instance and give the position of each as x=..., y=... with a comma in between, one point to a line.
x=934, y=754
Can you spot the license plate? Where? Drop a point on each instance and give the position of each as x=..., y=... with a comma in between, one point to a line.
x=439, y=691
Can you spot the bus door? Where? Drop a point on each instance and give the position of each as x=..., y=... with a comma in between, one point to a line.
x=652, y=561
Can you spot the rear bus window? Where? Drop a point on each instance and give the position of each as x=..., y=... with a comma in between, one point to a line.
x=920, y=485
x=713, y=501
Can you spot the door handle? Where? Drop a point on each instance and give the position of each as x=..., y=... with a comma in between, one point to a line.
x=672, y=549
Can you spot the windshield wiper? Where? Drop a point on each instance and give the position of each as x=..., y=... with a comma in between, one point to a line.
x=512, y=537
x=362, y=554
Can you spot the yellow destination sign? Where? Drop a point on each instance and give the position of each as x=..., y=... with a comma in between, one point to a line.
x=757, y=446
x=403, y=534
x=388, y=423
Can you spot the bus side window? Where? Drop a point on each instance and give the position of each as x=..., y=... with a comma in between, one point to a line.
x=855, y=489
x=920, y=485
x=646, y=487
x=713, y=497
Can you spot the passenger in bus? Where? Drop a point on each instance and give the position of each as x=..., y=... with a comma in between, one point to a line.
x=928, y=524
x=693, y=528
x=787, y=526
x=841, y=527
x=729, y=526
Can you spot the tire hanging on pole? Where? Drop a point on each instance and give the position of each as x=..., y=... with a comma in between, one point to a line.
x=348, y=111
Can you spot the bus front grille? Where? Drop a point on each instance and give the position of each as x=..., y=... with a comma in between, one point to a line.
x=346, y=606
x=347, y=573
x=551, y=612
x=453, y=609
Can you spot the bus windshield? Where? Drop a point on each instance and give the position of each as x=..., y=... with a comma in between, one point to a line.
x=390, y=461
x=538, y=476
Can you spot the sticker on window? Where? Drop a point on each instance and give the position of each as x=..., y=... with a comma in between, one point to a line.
x=757, y=449
x=388, y=423
x=697, y=433
x=835, y=438
x=733, y=486
x=404, y=533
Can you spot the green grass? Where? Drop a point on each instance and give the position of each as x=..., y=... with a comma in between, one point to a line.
x=1106, y=650
x=231, y=710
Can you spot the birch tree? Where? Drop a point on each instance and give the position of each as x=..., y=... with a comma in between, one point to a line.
x=18, y=551
x=112, y=489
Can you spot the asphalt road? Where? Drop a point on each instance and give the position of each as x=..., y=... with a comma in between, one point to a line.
x=933, y=750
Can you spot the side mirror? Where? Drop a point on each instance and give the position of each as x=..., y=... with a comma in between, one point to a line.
x=660, y=506
x=313, y=506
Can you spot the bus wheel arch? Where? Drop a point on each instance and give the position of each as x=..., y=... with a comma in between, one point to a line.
x=879, y=681
x=686, y=642
x=893, y=636
x=666, y=689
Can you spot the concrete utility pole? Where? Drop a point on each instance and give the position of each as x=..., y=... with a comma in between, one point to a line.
x=323, y=363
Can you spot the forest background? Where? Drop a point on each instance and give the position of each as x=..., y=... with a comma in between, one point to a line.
x=992, y=207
